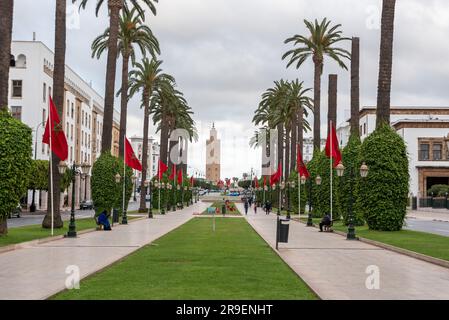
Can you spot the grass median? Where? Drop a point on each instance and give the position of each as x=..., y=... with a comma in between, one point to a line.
x=193, y=262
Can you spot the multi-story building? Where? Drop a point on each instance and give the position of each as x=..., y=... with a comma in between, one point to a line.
x=213, y=146
x=31, y=81
x=153, y=156
x=425, y=131
x=307, y=148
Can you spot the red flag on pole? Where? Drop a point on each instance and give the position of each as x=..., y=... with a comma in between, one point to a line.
x=58, y=140
x=276, y=177
x=180, y=176
x=256, y=182
x=130, y=157
x=173, y=173
x=301, y=167
x=192, y=181
x=162, y=167
x=332, y=150
x=264, y=181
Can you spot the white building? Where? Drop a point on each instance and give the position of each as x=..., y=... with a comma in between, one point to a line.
x=425, y=131
x=31, y=81
x=153, y=156
x=307, y=148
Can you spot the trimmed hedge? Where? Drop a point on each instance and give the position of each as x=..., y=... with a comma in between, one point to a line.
x=384, y=192
x=294, y=194
x=351, y=161
x=15, y=164
x=39, y=176
x=106, y=193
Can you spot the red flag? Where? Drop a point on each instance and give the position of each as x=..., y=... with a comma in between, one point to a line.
x=180, y=177
x=276, y=177
x=332, y=150
x=301, y=167
x=130, y=158
x=173, y=173
x=162, y=167
x=256, y=182
x=58, y=140
x=192, y=181
x=228, y=182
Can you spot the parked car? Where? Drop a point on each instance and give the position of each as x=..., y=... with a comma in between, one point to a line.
x=16, y=212
x=234, y=194
x=86, y=205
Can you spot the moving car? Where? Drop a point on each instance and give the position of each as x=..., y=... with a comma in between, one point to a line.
x=86, y=205
x=16, y=212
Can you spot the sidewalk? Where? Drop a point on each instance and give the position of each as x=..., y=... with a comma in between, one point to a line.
x=429, y=214
x=39, y=271
x=335, y=268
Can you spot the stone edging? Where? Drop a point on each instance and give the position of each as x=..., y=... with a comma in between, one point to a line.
x=412, y=254
x=22, y=245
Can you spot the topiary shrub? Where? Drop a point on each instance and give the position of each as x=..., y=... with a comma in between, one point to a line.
x=106, y=192
x=383, y=194
x=351, y=161
x=294, y=199
x=15, y=164
x=320, y=165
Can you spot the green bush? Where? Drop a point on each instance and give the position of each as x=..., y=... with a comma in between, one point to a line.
x=106, y=192
x=320, y=165
x=15, y=164
x=294, y=199
x=351, y=161
x=383, y=194
x=39, y=176
x=438, y=190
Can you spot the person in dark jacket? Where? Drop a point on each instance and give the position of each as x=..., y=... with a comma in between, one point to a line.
x=104, y=221
x=246, y=206
x=326, y=221
x=267, y=207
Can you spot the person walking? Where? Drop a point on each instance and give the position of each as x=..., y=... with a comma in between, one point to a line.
x=267, y=207
x=255, y=207
x=246, y=206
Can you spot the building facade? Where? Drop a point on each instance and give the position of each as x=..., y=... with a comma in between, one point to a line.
x=31, y=81
x=425, y=131
x=213, y=156
x=153, y=156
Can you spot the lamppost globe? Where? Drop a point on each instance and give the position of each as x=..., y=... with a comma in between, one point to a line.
x=292, y=184
x=340, y=169
x=274, y=187
x=62, y=167
x=318, y=180
x=178, y=187
x=134, y=178
x=117, y=178
x=265, y=188
x=303, y=180
x=85, y=168
x=364, y=170
x=282, y=185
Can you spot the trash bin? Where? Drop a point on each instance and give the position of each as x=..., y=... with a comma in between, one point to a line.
x=414, y=203
x=283, y=228
x=115, y=217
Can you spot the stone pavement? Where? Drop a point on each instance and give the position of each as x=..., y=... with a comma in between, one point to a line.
x=39, y=271
x=336, y=268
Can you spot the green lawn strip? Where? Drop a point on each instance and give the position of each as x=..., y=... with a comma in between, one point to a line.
x=35, y=231
x=193, y=262
x=421, y=242
x=219, y=204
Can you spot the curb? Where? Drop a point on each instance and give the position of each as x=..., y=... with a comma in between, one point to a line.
x=23, y=245
x=412, y=254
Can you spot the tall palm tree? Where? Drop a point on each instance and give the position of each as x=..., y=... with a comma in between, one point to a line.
x=319, y=43
x=385, y=62
x=58, y=99
x=332, y=107
x=355, y=86
x=149, y=79
x=114, y=7
x=6, y=17
x=132, y=32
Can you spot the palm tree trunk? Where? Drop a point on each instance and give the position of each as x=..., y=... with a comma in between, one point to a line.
x=355, y=87
x=280, y=151
x=385, y=62
x=301, y=129
x=124, y=105
x=287, y=153
x=317, y=105
x=332, y=111
x=146, y=117
x=172, y=144
x=294, y=142
x=164, y=140
x=106, y=137
x=6, y=17
x=58, y=99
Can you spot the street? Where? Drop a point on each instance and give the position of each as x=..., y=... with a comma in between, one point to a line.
x=436, y=227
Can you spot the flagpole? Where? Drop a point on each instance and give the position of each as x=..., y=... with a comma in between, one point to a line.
x=330, y=162
x=124, y=177
x=51, y=169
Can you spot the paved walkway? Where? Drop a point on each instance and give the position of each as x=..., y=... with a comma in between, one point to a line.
x=39, y=271
x=335, y=268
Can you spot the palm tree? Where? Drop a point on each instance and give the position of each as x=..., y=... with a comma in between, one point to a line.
x=148, y=78
x=332, y=108
x=132, y=32
x=320, y=43
x=6, y=17
x=114, y=7
x=58, y=99
x=385, y=62
x=355, y=86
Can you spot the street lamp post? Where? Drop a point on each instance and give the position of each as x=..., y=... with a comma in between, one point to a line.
x=119, y=178
x=134, y=178
x=281, y=188
x=75, y=170
x=150, y=207
x=33, y=204
x=303, y=181
x=292, y=185
x=363, y=173
x=162, y=186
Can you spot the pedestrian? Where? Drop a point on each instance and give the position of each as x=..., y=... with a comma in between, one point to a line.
x=255, y=208
x=326, y=221
x=246, y=207
x=267, y=207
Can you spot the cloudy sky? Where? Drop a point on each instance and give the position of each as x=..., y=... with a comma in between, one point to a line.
x=225, y=53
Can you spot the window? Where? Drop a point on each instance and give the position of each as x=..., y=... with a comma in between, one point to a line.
x=71, y=152
x=49, y=92
x=44, y=93
x=364, y=128
x=72, y=111
x=71, y=132
x=21, y=61
x=17, y=88
x=16, y=113
x=424, y=151
x=360, y=130
x=44, y=115
x=68, y=107
x=437, y=151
